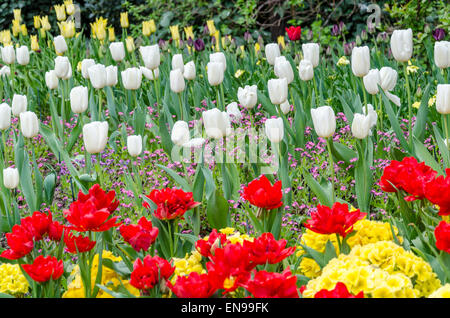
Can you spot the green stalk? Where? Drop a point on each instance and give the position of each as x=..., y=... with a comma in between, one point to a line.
x=99, y=115
x=447, y=133
x=408, y=90
x=181, y=105
x=222, y=96
x=331, y=167
x=364, y=94
x=315, y=90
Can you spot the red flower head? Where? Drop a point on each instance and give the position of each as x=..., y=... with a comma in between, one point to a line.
x=148, y=273
x=438, y=192
x=80, y=243
x=442, y=234
x=340, y=291
x=207, y=247
x=139, y=236
x=194, y=285
x=407, y=175
x=20, y=242
x=100, y=198
x=229, y=267
x=265, y=249
x=55, y=231
x=171, y=203
x=44, y=268
x=273, y=285
x=38, y=224
x=335, y=220
x=262, y=194
x=294, y=33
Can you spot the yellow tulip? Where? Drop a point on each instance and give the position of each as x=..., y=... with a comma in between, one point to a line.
x=217, y=37
x=23, y=29
x=37, y=22
x=146, y=30
x=129, y=41
x=99, y=28
x=34, y=43
x=211, y=27
x=67, y=29
x=152, y=26
x=189, y=32
x=111, y=34
x=15, y=27
x=60, y=12
x=17, y=15
x=45, y=25
x=70, y=8
x=5, y=37
x=257, y=47
x=42, y=33
x=281, y=42
x=124, y=20
x=175, y=33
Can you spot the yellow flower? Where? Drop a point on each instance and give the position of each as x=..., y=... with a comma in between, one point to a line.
x=217, y=36
x=411, y=68
x=152, y=26
x=60, y=12
x=239, y=73
x=188, y=264
x=257, y=47
x=12, y=281
x=146, y=31
x=23, y=29
x=111, y=34
x=281, y=41
x=188, y=31
x=416, y=105
x=432, y=101
x=67, y=29
x=443, y=292
x=343, y=61
x=211, y=27
x=124, y=20
x=129, y=41
x=70, y=8
x=226, y=40
x=37, y=22
x=5, y=37
x=15, y=27
x=227, y=230
x=45, y=25
x=174, y=32
x=34, y=43
x=99, y=28
x=17, y=15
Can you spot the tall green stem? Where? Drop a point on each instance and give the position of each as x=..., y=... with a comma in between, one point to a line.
x=181, y=106
x=329, y=141
x=99, y=115
x=408, y=91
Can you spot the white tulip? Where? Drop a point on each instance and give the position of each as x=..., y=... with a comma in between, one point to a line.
x=442, y=54
x=68, y=74
x=134, y=145
x=371, y=81
x=189, y=71
x=11, y=178
x=177, y=84
x=283, y=69
x=360, y=126
x=218, y=57
x=272, y=51
x=29, y=124
x=247, y=96
x=117, y=50
x=360, y=61
x=132, y=78
x=194, y=143
x=285, y=107
x=402, y=45
x=278, y=90
x=5, y=70
x=79, y=99
x=388, y=78
x=23, y=55
x=443, y=99
x=151, y=56
x=233, y=111
x=177, y=62
x=60, y=44
x=274, y=129
x=8, y=54
x=180, y=133
x=311, y=53
x=372, y=114
x=324, y=121
x=148, y=73
x=19, y=104
x=62, y=66
x=5, y=116
x=95, y=136
x=393, y=98
x=111, y=75
x=217, y=124
x=306, y=70
x=215, y=73
x=85, y=65
x=51, y=80
x=97, y=75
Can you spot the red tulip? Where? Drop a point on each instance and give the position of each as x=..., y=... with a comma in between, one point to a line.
x=139, y=236
x=262, y=194
x=20, y=242
x=340, y=291
x=442, y=234
x=207, y=247
x=44, y=268
x=273, y=285
x=294, y=33
x=335, y=220
x=265, y=249
x=100, y=198
x=38, y=224
x=146, y=274
x=55, y=231
x=78, y=243
x=438, y=192
x=171, y=203
x=194, y=285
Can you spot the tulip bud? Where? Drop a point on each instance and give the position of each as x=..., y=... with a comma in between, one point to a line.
x=95, y=136
x=149, y=73
x=134, y=145
x=283, y=69
x=177, y=62
x=117, y=51
x=111, y=75
x=97, y=75
x=402, y=45
x=442, y=54
x=51, y=80
x=272, y=51
x=217, y=124
x=285, y=107
x=19, y=104
x=443, y=99
x=85, y=65
x=360, y=61
x=177, y=83
x=62, y=66
x=215, y=73
x=311, y=53
x=274, y=129
x=5, y=116
x=8, y=54
x=29, y=124
x=306, y=70
x=5, y=70
x=180, y=133
x=371, y=81
x=360, y=126
x=79, y=99
x=11, y=178
x=150, y=55
x=248, y=96
x=388, y=78
x=220, y=58
x=189, y=71
x=23, y=55
x=233, y=111
x=278, y=90
x=60, y=44
x=372, y=114
x=324, y=121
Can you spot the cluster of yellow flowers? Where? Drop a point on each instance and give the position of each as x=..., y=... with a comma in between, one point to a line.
x=149, y=27
x=99, y=28
x=382, y=269
x=366, y=232
x=110, y=279
x=235, y=236
x=443, y=292
x=190, y=263
x=342, y=61
x=12, y=281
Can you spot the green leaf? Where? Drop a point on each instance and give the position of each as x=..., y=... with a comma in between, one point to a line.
x=394, y=122
x=178, y=179
x=217, y=211
x=423, y=154
x=323, y=193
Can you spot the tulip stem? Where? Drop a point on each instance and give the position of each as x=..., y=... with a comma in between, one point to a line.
x=408, y=92
x=222, y=96
x=447, y=133
x=99, y=115
x=5, y=153
x=315, y=90
x=329, y=141
x=364, y=94
x=181, y=106
x=218, y=99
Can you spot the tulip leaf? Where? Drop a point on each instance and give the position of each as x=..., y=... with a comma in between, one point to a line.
x=119, y=267
x=442, y=146
x=423, y=154
x=342, y=152
x=178, y=179
x=217, y=211
x=330, y=252
x=324, y=195
x=421, y=118
x=26, y=181
x=49, y=188
x=363, y=180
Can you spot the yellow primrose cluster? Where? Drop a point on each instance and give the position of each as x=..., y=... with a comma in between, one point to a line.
x=110, y=279
x=235, y=236
x=12, y=281
x=190, y=263
x=343, y=61
x=382, y=269
x=443, y=292
x=366, y=232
